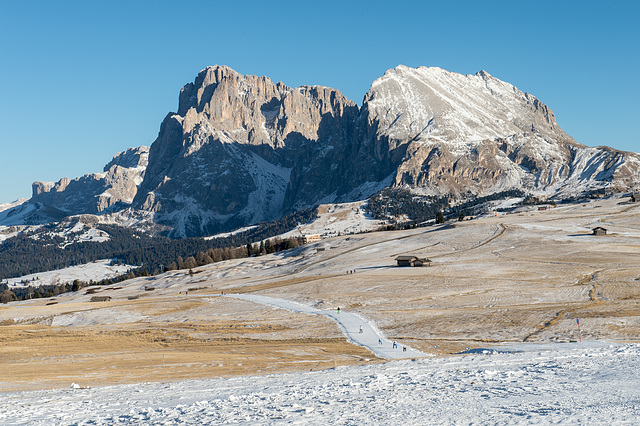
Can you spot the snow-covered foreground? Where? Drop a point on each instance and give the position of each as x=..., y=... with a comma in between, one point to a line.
x=590, y=383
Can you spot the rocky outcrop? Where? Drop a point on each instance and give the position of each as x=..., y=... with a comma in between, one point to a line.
x=96, y=192
x=242, y=149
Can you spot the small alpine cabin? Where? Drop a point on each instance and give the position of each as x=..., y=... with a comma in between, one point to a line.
x=410, y=260
x=599, y=231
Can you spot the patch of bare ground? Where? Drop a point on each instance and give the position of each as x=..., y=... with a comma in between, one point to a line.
x=36, y=358
x=186, y=339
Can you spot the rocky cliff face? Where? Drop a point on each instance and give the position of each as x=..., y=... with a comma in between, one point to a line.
x=243, y=149
x=96, y=192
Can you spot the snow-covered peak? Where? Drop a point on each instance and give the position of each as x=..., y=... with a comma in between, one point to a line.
x=429, y=103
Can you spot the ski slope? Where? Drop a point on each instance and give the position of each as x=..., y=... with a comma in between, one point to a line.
x=351, y=325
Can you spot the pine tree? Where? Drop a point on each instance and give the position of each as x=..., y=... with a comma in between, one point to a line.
x=190, y=263
x=268, y=247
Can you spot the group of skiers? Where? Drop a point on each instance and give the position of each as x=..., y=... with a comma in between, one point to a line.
x=394, y=345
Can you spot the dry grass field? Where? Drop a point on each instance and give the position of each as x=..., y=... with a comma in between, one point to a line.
x=504, y=278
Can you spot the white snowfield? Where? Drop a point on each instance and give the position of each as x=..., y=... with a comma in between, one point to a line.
x=357, y=329
x=580, y=383
x=89, y=271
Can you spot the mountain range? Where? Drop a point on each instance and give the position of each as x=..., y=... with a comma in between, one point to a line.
x=242, y=149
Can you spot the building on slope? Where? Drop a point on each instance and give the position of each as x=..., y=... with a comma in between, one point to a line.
x=599, y=231
x=311, y=238
x=410, y=260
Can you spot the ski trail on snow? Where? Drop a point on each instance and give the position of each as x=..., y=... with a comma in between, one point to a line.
x=348, y=322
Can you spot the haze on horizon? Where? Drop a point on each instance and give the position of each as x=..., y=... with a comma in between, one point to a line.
x=82, y=81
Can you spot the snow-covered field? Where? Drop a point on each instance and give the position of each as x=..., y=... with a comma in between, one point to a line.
x=338, y=219
x=95, y=271
x=580, y=383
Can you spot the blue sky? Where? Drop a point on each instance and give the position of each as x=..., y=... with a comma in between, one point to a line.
x=81, y=81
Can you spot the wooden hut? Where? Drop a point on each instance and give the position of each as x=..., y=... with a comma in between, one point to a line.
x=422, y=262
x=411, y=260
x=599, y=231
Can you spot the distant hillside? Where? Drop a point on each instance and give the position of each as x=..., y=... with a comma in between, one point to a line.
x=53, y=247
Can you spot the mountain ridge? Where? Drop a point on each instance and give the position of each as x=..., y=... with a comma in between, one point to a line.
x=242, y=149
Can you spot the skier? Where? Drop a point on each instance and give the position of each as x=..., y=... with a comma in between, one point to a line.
x=360, y=329
x=404, y=349
x=395, y=345
x=338, y=309
x=379, y=341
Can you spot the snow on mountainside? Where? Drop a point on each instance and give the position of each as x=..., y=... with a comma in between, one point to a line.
x=96, y=192
x=94, y=271
x=438, y=105
x=476, y=133
x=7, y=206
x=74, y=231
x=242, y=149
x=338, y=219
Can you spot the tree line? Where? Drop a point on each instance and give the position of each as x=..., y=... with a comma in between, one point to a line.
x=268, y=246
x=43, y=250
x=395, y=202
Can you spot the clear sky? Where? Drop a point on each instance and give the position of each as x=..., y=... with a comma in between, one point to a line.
x=81, y=80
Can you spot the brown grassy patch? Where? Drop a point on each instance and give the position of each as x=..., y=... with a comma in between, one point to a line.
x=42, y=357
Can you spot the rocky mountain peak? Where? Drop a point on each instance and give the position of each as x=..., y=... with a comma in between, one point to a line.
x=96, y=192
x=435, y=104
x=130, y=159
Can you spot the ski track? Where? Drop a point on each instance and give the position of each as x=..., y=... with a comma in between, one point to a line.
x=350, y=323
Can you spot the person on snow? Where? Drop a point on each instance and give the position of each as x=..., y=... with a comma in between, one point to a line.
x=360, y=329
x=395, y=345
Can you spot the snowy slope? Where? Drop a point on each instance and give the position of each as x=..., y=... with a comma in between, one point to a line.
x=95, y=271
x=433, y=103
x=334, y=219
x=586, y=383
x=7, y=206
